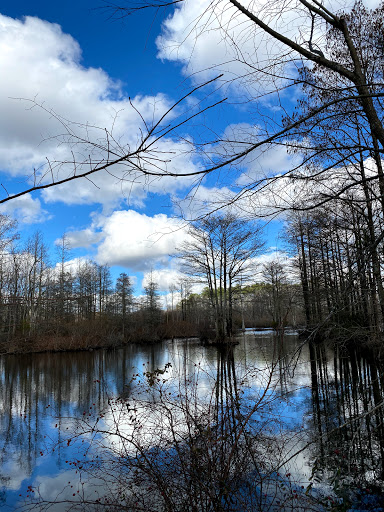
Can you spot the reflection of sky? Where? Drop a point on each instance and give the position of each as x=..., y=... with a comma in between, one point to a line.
x=43, y=395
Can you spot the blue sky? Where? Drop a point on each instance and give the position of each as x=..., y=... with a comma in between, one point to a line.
x=83, y=65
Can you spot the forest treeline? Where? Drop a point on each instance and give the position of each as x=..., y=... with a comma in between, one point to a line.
x=74, y=304
x=330, y=284
x=340, y=258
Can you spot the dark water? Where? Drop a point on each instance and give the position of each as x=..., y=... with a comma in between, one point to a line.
x=310, y=396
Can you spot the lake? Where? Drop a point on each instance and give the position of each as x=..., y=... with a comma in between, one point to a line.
x=76, y=427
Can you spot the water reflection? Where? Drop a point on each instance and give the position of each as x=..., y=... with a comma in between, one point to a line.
x=328, y=402
x=347, y=401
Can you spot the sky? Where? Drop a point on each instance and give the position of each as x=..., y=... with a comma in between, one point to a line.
x=74, y=64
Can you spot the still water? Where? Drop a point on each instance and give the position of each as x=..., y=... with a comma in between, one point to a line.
x=310, y=391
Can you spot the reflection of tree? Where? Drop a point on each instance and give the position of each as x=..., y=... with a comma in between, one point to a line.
x=39, y=391
x=227, y=399
x=207, y=440
x=201, y=442
x=347, y=415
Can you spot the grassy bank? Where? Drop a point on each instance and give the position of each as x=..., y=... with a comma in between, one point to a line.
x=93, y=335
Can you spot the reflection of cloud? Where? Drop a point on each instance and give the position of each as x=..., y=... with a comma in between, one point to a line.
x=61, y=487
x=13, y=474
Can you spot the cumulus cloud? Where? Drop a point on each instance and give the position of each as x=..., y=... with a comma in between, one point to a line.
x=202, y=200
x=273, y=197
x=82, y=238
x=348, y=4
x=25, y=209
x=172, y=284
x=138, y=241
x=165, y=278
x=289, y=264
x=48, y=98
x=71, y=266
x=209, y=38
x=282, y=194
x=50, y=60
x=132, y=239
x=266, y=160
x=108, y=187
x=272, y=255
x=172, y=278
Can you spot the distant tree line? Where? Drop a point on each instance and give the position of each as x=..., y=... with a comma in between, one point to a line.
x=74, y=304
x=332, y=282
x=68, y=305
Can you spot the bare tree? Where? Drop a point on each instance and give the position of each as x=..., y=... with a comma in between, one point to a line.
x=219, y=253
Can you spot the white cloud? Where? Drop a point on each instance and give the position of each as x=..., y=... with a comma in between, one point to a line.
x=164, y=278
x=272, y=255
x=266, y=160
x=83, y=238
x=169, y=277
x=110, y=186
x=348, y=4
x=25, y=209
x=170, y=282
x=39, y=62
x=202, y=200
x=71, y=266
x=277, y=256
x=281, y=194
x=274, y=198
x=135, y=240
x=211, y=37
